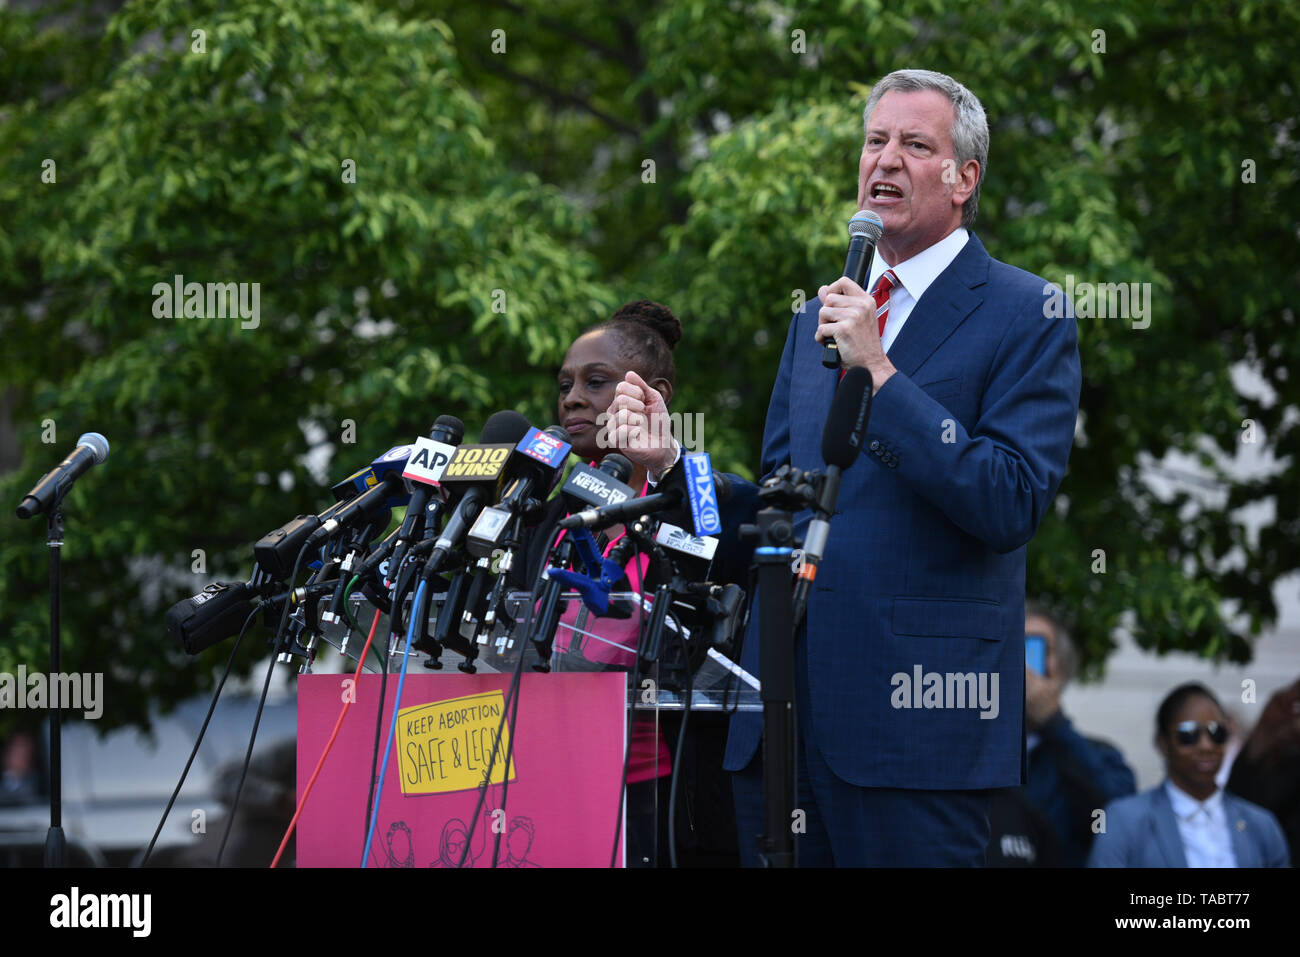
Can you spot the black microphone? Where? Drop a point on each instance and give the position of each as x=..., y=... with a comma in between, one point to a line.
x=865, y=230
x=475, y=469
x=842, y=438
x=275, y=551
x=422, y=473
x=388, y=492
x=623, y=512
x=92, y=448
x=536, y=463
x=594, y=487
x=586, y=486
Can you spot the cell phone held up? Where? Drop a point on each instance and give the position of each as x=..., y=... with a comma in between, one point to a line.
x=1036, y=654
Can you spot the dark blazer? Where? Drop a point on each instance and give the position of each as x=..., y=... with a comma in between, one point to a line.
x=1141, y=831
x=925, y=566
x=1070, y=776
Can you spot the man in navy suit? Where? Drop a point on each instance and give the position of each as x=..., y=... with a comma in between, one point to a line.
x=910, y=670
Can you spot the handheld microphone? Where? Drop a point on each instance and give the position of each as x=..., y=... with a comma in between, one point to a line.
x=535, y=464
x=388, y=492
x=422, y=472
x=276, y=550
x=472, y=473
x=597, y=487
x=842, y=438
x=705, y=488
x=585, y=486
x=865, y=230
x=92, y=448
x=704, y=493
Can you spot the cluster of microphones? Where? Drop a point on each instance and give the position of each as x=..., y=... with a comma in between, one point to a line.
x=472, y=513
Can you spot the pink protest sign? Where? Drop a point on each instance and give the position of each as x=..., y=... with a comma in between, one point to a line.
x=564, y=776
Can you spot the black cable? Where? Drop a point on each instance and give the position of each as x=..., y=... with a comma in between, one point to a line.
x=510, y=749
x=202, y=731
x=534, y=597
x=261, y=703
x=394, y=611
x=511, y=696
x=248, y=755
x=677, y=758
x=631, y=710
x=400, y=586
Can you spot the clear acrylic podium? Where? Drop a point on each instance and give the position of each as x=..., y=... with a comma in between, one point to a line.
x=581, y=645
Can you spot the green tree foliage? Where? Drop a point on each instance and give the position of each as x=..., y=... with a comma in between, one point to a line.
x=1132, y=142
x=437, y=282
x=434, y=197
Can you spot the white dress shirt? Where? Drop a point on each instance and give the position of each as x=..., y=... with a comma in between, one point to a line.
x=914, y=277
x=1203, y=826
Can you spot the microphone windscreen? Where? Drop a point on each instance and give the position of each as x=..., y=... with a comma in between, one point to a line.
x=448, y=429
x=502, y=427
x=846, y=424
x=869, y=224
x=98, y=444
x=616, y=466
x=213, y=615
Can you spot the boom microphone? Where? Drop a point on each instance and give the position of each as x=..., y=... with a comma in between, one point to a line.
x=422, y=472
x=473, y=473
x=716, y=490
x=387, y=492
x=842, y=438
x=865, y=230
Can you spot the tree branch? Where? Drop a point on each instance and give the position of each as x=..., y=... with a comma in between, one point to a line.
x=556, y=96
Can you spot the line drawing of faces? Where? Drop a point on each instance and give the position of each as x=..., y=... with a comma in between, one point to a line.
x=519, y=841
x=451, y=843
x=400, y=845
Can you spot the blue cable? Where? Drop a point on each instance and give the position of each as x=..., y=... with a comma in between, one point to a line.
x=417, y=613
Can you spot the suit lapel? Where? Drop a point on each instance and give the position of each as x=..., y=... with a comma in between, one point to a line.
x=811, y=391
x=1244, y=849
x=945, y=305
x=1168, y=840
x=951, y=298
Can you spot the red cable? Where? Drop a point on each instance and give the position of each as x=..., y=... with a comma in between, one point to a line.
x=347, y=703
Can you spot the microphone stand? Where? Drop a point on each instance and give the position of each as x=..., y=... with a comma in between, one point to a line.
x=774, y=533
x=55, y=842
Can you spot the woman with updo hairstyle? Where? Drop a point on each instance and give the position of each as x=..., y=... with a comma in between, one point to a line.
x=1188, y=820
x=638, y=338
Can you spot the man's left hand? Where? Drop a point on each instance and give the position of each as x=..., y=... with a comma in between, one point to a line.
x=848, y=315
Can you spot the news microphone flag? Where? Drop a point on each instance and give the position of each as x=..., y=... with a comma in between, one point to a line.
x=703, y=494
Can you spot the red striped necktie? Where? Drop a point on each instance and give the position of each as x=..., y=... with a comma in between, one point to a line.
x=880, y=294
x=884, y=284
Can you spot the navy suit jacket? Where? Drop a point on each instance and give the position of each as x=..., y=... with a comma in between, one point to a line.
x=1141, y=831
x=924, y=571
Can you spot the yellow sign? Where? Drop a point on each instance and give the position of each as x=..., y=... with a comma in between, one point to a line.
x=446, y=745
x=477, y=462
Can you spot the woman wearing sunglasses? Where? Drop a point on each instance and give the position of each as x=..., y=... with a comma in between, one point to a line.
x=1189, y=821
